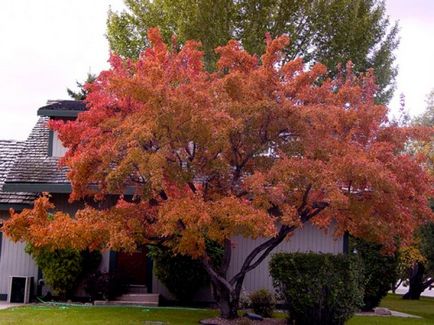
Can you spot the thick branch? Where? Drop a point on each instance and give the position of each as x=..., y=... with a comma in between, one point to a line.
x=214, y=275
x=226, y=257
x=265, y=248
x=270, y=243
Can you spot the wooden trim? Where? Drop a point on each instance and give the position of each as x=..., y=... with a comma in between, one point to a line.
x=112, y=261
x=58, y=113
x=149, y=275
x=346, y=243
x=50, y=143
x=52, y=188
x=15, y=206
x=38, y=187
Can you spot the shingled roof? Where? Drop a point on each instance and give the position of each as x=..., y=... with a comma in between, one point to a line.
x=62, y=108
x=9, y=151
x=33, y=165
x=34, y=169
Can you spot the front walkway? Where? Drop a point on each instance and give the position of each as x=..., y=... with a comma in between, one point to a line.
x=5, y=305
x=385, y=312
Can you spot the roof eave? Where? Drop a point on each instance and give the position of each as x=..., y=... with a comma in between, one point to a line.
x=64, y=188
x=57, y=113
x=15, y=206
x=37, y=187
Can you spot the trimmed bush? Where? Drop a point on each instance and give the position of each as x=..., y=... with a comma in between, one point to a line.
x=321, y=289
x=182, y=275
x=262, y=302
x=380, y=271
x=63, y=269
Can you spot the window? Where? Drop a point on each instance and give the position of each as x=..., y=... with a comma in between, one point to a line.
x=57, y=149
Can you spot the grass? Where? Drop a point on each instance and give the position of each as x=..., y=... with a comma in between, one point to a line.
x=101, y=315
x=138, y=315
x=423, y=308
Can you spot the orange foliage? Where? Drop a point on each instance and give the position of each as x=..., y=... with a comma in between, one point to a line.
x=256, y=145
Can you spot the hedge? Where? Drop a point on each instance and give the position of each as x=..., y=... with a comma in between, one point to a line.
x=319, y=289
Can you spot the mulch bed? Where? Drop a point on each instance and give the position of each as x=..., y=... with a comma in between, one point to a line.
x=242, y=321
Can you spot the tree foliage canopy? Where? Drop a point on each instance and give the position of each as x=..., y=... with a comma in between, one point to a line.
x=257, y=148
x=331, y=32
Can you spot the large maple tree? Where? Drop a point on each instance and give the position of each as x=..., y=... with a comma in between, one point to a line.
x=257, y=148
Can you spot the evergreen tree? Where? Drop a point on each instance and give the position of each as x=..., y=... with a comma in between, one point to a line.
x=81, y=94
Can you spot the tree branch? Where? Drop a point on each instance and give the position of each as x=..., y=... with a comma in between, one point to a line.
x=272, y=242
x=265, y=248
x=226, y=256
x=214, y=275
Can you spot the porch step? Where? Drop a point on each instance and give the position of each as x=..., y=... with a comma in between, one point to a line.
x=137, y=288
x=123, y=303
x=146, y=299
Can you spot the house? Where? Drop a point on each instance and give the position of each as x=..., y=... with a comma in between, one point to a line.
x=31, y=167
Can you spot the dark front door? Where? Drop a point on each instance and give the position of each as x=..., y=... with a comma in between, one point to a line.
x=132, y=267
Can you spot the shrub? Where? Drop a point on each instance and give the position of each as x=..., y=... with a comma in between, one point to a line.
x=318, y=288
x=262, y=302
x=244, y=301
x=380, y=271
x=182, y=275
x=63, y=269
x=90, y=260
x=105, y=286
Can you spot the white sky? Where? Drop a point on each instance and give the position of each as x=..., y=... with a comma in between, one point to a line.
x=47, y=45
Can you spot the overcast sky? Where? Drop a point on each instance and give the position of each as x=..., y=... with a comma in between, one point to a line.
x=47, y=45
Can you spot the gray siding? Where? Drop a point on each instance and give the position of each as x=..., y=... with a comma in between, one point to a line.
x=306, y=239
x=14, y=261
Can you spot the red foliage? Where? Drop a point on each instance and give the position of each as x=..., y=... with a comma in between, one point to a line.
x=256, y=145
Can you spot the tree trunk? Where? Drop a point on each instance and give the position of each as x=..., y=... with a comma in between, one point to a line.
x=227, y=293
x=417, y=286
x=225, y=300
x=228, y=308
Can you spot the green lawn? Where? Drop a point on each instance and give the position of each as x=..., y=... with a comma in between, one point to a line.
x=101, y=315
x=138, y=315
x=423, y=308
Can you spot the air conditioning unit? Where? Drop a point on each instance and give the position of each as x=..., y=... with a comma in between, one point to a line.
x=20, y=289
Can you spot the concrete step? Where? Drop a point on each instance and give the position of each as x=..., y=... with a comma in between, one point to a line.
x=145, y=297
x=136, y=288
x=125, y=303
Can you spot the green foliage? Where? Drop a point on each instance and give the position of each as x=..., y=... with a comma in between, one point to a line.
x=182, y=275
x=427, y=118
x=63, y=269
x=262, y=302
x=426, y=236
x=90, y=260
x=381, y=271
x=106, y=286
x=81, y=94
x=60, y=268
x=330, y=32
x=318, y=288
